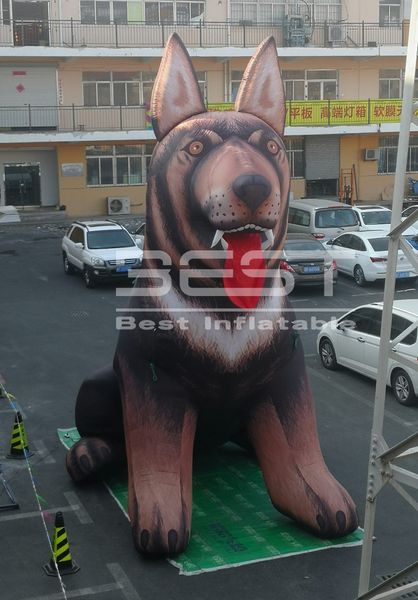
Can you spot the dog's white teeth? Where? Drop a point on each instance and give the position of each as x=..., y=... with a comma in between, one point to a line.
x=218, y=236
x=270, y=239
x=224, y=244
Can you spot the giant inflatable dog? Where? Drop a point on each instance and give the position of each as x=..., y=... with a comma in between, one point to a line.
x=204, y=360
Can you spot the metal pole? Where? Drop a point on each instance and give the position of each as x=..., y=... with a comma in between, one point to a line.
x=398, y=193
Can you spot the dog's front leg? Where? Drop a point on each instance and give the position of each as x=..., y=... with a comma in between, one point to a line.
x=282, y=430
x=159, y=423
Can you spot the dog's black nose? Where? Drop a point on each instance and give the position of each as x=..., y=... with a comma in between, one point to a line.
x=252, y=189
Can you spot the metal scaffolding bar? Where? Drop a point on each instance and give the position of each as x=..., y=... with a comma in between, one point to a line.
x=381, y=470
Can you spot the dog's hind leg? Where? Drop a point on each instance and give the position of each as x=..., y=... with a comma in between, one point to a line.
x=160, y=424
x=98, y=416
x=283, y=432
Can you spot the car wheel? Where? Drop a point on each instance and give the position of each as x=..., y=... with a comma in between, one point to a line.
x=68, y=267
x=327, y=354
x=402, y=388
x=88, y=277
x=359, y=277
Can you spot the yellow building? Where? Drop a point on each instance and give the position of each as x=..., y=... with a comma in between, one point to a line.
x=76, y=78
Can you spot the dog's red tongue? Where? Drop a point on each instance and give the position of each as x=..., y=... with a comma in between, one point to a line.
x=239, y=244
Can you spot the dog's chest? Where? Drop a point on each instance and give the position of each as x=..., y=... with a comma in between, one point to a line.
x=231, y=341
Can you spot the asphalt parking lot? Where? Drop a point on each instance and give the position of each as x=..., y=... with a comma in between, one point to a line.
x=54, y=332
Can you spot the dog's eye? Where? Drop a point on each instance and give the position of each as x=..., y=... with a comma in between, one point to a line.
x=195, y=148
x=272, y=147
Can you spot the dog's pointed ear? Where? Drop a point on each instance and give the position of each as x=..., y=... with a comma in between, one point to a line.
x=176, y=94
x=261, y=92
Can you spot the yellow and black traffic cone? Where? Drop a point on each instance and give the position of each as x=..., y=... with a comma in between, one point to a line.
x=61, y=555
x=19, y=442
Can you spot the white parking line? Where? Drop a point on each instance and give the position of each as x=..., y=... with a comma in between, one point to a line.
x=43, y=452
x=369, y=403
x=89, y=591
x=122, y=580
x=81, y=513
x=344, y=284
x=122, y=584
x=35, y=513
x=364, y=294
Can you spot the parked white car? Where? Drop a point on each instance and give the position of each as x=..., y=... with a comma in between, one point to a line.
x=353, y=341
x=364, y=254
x=100, y=250
x=409, y=210
x=372, y=217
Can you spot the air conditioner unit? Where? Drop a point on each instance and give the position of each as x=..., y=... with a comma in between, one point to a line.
x=371, y=153
x=337, y=33
x=118, y=206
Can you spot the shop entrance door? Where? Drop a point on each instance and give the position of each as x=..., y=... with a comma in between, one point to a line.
x=22, y=184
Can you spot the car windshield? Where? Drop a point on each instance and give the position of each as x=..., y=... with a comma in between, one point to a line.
x=377, y=217
x=293, y=246
x=335, y=217
x=113, y=238
x=380, y=244
x=413, y=240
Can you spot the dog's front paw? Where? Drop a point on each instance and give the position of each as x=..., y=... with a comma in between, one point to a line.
x=87, y=459
x=314, y=498
x=160, y=532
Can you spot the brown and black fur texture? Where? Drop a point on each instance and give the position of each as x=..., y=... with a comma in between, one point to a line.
x=172, y=390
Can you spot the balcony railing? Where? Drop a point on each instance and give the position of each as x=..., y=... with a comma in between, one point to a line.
x=326, y=113
x=203, y=34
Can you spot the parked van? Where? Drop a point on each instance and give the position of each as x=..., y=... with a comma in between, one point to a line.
x=324, y=219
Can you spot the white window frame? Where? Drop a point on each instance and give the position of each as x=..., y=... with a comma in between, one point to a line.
x=175, y=5
x=400, y=77
x=234, y=81
x=144, y=78
x=389, y=144
x=203, y=84
x=5, y=9
x=109, y=152
x=295, y=146
x=304, y=76
x=95, y=20
x=394, y=6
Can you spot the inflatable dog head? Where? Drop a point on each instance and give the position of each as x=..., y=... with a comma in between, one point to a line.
x=217, y=179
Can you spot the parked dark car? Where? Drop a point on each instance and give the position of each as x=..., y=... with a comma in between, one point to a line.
x=306, y=259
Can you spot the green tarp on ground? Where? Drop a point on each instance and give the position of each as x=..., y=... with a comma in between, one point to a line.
x=233, y=521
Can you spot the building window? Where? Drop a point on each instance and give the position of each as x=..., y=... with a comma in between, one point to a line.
x=202, y=81
x=104, y=11
x=5, y=12
x=118, y=165
x=388, y=146
x=189, y=12
x=391, y=83
x=321, y=85
x=325, y=11
x=294, y=85
x=235, y=78
x=389, y=12
x=311, y=85
x=243, y=12
x=274, y=11
x=295, y=148
x=119, y=88
x=175, y=11
x=257, y=12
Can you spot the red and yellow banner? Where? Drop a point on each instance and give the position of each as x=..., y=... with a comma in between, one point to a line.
x=335, y=112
